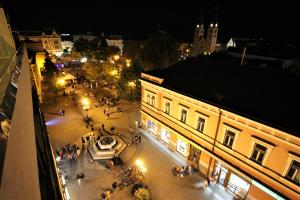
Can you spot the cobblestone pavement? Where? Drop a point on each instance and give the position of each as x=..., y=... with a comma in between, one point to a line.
x=157, y=159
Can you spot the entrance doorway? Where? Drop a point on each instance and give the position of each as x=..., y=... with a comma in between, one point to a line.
x=194, y=155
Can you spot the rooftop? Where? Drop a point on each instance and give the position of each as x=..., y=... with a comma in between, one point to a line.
x=264, y=95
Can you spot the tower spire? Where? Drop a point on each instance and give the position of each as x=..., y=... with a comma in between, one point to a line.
x=202, y=20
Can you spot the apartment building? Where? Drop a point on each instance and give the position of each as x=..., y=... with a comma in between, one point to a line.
x=234, y=124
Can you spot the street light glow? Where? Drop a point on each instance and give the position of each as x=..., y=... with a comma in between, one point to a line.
x=131, y=83
x=83, y=60
x=139, y=163
x=85, y=103
x=113, y=72
x=61, y=82
x=116, y=57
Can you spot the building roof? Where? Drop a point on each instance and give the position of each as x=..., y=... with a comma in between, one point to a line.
x=264, y=95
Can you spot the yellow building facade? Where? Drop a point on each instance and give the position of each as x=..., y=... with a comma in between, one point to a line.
x=251, y=159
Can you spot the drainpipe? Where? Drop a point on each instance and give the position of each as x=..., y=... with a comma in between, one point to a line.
x=216, y=134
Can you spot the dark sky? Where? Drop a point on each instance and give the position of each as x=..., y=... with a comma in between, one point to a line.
x=270, y=20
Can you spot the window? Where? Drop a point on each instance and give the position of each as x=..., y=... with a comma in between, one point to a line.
x=258, y=153
x=152, y=100
x=167, y=108
x=229, y=138
x=293, y=173
x=200, y=124
x=151, y=126
x=183, y=115
x=148, y=99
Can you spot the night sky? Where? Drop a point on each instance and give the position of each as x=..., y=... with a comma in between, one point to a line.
x=254, y=19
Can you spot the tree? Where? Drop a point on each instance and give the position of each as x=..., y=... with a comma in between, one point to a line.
x=130, y=74
x=81, y=45
x=159, y=51
x=111, y=50
x=93, y=69
x=132, y=48
x=142, y=194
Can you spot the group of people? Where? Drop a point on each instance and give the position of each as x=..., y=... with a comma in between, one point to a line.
x=109, y=164
x=182, y=170
x=68, y=152
x=135, y=139
x=62, y=112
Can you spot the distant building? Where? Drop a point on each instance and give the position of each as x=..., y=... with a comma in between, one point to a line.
x=50, y=42
x=202, y=44
x=67, y=42
x=237, y=125
x=116, y=40
x=184, y=49
x=88, y=36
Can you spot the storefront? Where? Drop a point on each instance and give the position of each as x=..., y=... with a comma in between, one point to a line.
x=230, y=180
x=152, y=127
x=194, y=156
x=182, y=147
x=165, y=135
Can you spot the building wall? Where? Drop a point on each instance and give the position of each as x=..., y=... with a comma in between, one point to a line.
x=118, y=43
x=7, y=44
x=51, y=43
x=210, y=142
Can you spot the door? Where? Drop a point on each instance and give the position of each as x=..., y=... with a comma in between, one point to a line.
x=222, y=176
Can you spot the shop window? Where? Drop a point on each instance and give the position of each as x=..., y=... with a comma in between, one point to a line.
x=183, y=115
x=200, y=124
x=165, y=135
x=229, y=138
x=293, y=173
x=181, y=147
x=194, y=155
x=259, y=153
x=153, y=101
x=151, y=126
x=167, y=108
x=238, y=186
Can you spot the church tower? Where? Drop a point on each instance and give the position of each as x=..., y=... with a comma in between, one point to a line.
x=199, y=40
x=212, y=34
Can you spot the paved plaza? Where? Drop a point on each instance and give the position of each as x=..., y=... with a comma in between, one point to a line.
x=158, y=160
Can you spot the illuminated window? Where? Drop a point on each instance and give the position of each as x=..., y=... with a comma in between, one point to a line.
x=183, y=115
x=258, y=153
x=200, y=124
x=229, y=138
x=293, y=173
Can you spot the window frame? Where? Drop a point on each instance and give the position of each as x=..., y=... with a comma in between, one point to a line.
x=236, y=131
x=180, y=115
x=203, y=116
x=269, y=148
x=290, y=159
x=165, y=101
x=230, y=137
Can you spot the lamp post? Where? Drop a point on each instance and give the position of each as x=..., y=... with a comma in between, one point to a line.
x=86, y=107
x=131, y=85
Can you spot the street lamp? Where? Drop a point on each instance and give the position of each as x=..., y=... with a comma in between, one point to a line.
x=131, y=84
x=116, y=57
x=61, y=82
x=86, y=106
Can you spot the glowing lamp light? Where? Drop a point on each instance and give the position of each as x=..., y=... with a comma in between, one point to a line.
x=139, y=163
x=116, y=57
x=61, y=82
x=83, y=60
x=85, y=103
x=211, y=25
x=131, y=83
x=197, y=25
x=216, y=25
x=113, y=72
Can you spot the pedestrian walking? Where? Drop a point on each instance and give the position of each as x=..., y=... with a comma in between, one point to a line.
x=104, y=111
x=114, y=185
x=107, y=115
